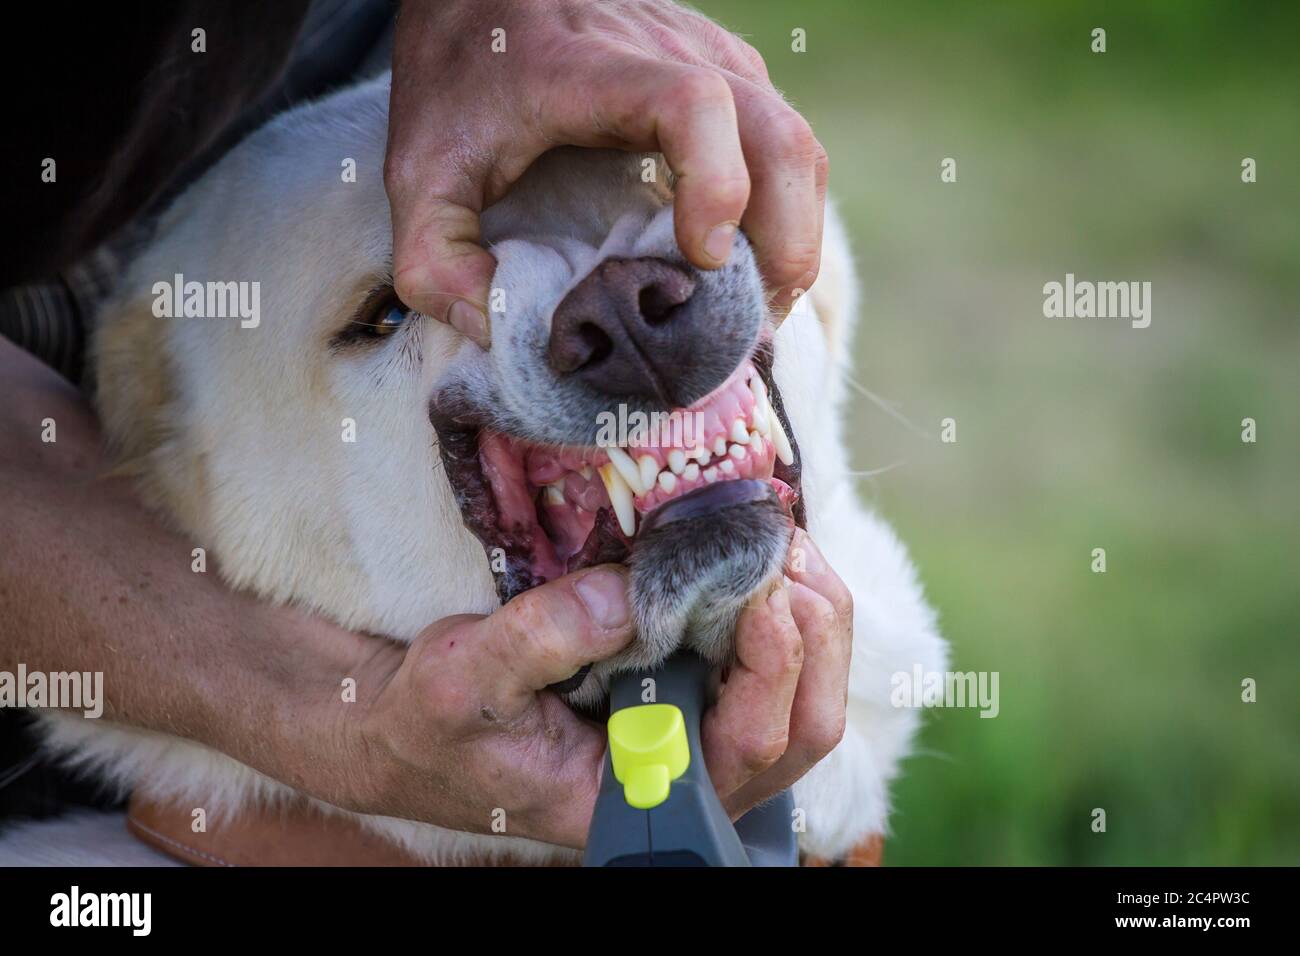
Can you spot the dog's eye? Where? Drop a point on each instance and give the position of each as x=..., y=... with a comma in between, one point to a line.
x=380, y=316
x=389, y=319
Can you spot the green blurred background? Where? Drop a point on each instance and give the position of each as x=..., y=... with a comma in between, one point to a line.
x=1119, y=690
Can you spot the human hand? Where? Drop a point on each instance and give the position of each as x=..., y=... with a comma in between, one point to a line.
x=466, y=122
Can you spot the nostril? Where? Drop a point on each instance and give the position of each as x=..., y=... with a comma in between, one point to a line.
x=597, y=343
x=658, y=304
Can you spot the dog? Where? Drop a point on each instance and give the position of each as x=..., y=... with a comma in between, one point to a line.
x=367, y=463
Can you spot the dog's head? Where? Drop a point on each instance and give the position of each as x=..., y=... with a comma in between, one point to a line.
x=335, y=450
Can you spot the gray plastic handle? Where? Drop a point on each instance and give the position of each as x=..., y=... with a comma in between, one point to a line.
x=690, y=828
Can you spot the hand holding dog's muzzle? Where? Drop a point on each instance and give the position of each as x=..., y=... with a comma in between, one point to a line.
x=464, y=734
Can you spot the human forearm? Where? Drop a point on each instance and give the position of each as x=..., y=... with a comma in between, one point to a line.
x=90, y=581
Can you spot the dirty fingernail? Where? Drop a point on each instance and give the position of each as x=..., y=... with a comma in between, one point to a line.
x=605, y=595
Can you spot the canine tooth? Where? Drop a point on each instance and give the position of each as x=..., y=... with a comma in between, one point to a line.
x=628, y=469
x=585, y=471
x=737, y=452
x=677, y=460
x=720, y=446
x=648, y=468
x=554, y=493
x=710, y=475
x=691, y=472
x=620, y=496
x=739, y=433
x=668, y=481
x=781, y=441
x=728, y=466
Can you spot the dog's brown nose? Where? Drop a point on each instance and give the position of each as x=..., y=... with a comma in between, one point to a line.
x=628, y=329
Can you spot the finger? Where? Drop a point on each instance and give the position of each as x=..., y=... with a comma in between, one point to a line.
x=806, y=565
x=439, y=268
x=747, y=729
x=817, y=717
x=684, y=111
x=547, y=634
x=788, y=169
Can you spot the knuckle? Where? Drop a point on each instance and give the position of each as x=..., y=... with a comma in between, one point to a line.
x=825, y=734
x=799, y=147
x=789, y=649
x=527, y=625
x=823, y=615
x=821, y=162
x=751, y=59
x=758, y=752
x=841, y=599
x=728, y=190
x=698, y=86
x=796, y=263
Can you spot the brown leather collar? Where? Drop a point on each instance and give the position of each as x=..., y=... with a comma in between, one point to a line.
x=300, y=834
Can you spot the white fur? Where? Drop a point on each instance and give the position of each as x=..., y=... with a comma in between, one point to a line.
x=236, y=435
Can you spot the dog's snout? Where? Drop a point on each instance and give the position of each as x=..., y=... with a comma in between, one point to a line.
x=629, y=329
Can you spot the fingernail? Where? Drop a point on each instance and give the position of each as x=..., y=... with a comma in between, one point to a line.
x=605, y=595
x=717, y=244
x=813, y=559
x=470, y=322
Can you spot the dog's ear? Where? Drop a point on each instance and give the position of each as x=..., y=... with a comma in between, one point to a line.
x=135, y=396
x=133, y=379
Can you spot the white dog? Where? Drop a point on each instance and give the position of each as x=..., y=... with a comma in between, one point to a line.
x=455, y=493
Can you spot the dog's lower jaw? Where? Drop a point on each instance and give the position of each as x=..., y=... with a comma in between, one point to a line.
x=693, y=573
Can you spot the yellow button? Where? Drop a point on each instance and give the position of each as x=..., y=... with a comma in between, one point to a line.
x=648, y=748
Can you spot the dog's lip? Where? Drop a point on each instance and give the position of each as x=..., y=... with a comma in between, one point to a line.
x=708, y=500
x=459, y=422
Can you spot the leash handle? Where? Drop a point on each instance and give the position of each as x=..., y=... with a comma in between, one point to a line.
x=657, y=805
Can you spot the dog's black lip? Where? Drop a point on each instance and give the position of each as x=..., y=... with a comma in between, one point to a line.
x=706, y=500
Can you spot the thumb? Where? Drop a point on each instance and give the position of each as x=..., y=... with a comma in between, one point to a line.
x=439, y=268
x=546, y=635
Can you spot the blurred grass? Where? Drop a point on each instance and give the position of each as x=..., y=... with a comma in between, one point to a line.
x=1118, y=690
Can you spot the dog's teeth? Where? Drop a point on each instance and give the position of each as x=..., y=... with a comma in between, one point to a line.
x=585, y=471
x=691, y=472
x=677, y=460
x=620, y=496
x=704, y=457
x=699, y=452
x=728, y=467
x=648, y=468
x=628, y=469
x=720, y=446
x=739, y=433
x=756, y=442
x=781, y=441
x=763, y=413
x=554, y=493
x=737, y=452
x=668, y=481
x=710, y=475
